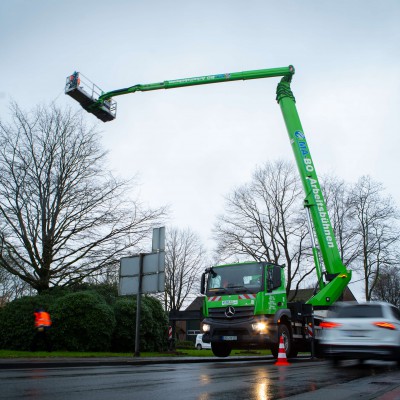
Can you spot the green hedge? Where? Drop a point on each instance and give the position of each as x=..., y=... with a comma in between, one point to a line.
x=17, y=321
x=153, y=327
x=125, y=317
x=184, y=344
x=85, y=320
x=82, y=321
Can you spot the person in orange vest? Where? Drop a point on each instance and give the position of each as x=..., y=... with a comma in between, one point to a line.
x=74, y=80
x=42, y=325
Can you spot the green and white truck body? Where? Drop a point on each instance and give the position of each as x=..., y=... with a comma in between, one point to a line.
x=245, y=307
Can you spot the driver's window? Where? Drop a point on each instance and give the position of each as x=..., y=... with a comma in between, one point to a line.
x=252, y=280
x=215, y=282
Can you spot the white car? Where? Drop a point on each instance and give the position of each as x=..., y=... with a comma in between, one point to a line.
x=200, y=344
x=362, y=331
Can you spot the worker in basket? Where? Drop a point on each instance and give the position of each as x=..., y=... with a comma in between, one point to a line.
x=74, y=80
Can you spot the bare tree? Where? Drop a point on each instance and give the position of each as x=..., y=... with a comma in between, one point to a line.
x=387, y=287
x=62, y=215
x=184, y=261
x=265, y=221
x=11, y=287
x=337, y=194
x=375, y=229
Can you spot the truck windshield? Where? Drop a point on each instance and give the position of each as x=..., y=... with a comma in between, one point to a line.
x=247, y=278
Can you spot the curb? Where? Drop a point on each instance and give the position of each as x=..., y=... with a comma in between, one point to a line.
x=97, y=362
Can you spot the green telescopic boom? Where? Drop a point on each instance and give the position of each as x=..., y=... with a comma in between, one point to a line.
x=337, y=275
x=103, y=106
x=202, y=80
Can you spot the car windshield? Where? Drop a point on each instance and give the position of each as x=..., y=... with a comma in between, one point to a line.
x=236, y=278
x=360, y=311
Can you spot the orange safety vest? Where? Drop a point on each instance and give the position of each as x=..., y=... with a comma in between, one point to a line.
x=42, y=318
x=74, y=78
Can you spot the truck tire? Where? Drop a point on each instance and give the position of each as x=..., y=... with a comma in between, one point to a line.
x=283, y=331
x=221, y=349
x=199, y=347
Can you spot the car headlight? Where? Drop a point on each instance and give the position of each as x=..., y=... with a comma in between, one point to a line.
x=206, y=328
x=260, y=327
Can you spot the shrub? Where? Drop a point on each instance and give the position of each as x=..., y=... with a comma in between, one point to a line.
x=153, y=326
x=86, y=320
x=184, y=344
x=17, y=321
x=155, y=332
x=82, y=321
x=125, y=320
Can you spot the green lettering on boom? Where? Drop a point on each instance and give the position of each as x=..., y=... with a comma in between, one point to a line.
x=326, y=225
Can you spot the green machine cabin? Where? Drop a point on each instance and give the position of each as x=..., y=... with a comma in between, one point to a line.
x=245, y=313
x=242, y=305
x=246, y=306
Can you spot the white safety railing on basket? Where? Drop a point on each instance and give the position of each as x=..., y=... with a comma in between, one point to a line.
x=80, y=82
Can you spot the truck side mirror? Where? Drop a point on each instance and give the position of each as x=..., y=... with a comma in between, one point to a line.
x=276, y=277
x=203, y=283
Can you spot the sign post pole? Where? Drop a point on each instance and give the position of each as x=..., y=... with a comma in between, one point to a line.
x=141, y=274
x=138, y=301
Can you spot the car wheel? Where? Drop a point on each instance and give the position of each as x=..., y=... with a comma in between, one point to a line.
x=199, y=347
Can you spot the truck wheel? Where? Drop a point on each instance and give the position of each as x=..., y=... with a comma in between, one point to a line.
x=283, y=331
x=221, y=349
x=199, y=346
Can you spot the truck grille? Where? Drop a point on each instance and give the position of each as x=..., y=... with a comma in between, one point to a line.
x=241, y=313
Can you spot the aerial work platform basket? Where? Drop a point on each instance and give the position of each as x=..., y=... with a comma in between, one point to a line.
x=87, y=94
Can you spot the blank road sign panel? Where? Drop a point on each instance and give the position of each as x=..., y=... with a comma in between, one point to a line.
x=158, y=239
x=153, y=283
x=153, y=275
x=128, y=286
x=153, y=262
x=129, y=266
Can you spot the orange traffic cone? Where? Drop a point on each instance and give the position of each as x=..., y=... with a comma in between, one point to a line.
x=282, y=360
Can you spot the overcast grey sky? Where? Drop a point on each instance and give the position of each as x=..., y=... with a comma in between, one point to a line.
x=192, y=146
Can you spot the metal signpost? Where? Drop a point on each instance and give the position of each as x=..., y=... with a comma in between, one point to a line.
x=143, y=273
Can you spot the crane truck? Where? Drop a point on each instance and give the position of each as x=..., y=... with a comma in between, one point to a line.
x=245, y=304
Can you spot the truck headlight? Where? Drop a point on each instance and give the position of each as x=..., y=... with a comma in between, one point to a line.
x=260, y=327
x=206, y=328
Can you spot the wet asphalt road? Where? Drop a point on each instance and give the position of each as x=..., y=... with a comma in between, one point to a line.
x=236, y=380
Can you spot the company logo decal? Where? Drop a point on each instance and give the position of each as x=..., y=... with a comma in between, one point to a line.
x=229, y=302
